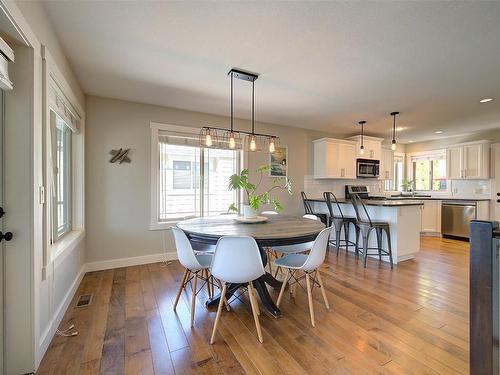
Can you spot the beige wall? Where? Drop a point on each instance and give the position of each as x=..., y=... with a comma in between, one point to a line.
x=38, y=20
x=118, y=196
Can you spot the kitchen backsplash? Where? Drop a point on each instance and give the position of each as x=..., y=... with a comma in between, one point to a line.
x=314, y=188
x=467, y=189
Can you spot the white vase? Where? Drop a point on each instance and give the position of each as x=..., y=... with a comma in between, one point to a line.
x=249, y=212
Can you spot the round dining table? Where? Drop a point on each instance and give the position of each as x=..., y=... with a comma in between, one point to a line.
x=278, y=230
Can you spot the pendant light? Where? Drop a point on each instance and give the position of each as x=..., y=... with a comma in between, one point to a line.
x=393, y=144
x=362, y=147
x=232, y=138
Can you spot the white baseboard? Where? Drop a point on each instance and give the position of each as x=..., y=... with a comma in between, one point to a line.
x=132, y=261
x=49, y=333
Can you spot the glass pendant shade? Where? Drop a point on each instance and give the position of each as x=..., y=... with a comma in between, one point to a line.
x=393, y=145
x=252, y=143
x=272, y=146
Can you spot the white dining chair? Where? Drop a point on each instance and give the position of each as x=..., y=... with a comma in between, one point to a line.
x=280, y=251
x=309, y=264
x=237, y=260
x=196, y=267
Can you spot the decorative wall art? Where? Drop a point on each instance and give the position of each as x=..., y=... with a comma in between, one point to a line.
x=278, y=162
x=120, y=156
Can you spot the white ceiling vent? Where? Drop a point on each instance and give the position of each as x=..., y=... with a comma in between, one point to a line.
x=6, y=55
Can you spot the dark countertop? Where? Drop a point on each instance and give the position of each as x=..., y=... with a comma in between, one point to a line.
x=374, y=202
x=439, y=199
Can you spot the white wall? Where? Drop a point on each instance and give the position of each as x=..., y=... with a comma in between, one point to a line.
x=118, y=196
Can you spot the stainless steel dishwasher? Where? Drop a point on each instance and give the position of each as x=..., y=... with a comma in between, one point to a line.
x=456, y=217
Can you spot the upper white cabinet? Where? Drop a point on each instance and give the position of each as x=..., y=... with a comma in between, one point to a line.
x=372, y=145
x=334, y=158
x=468, y=161
x=387, y=165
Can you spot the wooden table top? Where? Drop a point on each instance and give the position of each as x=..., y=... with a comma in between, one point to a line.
x=277, y=227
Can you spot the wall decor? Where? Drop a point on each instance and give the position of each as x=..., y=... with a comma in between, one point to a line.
x=278, y=162
x=120, y=156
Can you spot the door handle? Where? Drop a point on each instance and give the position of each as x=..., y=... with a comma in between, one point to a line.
x=7, y=236
x=2, y=212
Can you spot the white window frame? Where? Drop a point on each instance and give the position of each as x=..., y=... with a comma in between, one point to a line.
x=68, y=133
x=154, y=223
x=429, y=154
x=59, y=98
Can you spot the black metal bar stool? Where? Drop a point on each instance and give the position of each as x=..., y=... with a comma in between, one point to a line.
x=366, y=225
x=340, y=221
x=309, y=211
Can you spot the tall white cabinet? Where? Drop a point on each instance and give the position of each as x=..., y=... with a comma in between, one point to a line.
x=386, y=165
x=468, y=161
x=334, y=158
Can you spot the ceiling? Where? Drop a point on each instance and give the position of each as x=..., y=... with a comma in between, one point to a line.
x=322, y=65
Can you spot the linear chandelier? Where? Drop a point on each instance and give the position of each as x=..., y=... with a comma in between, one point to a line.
x=232, y=139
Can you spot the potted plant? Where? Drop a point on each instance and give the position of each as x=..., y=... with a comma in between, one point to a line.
x=407, y=185
x=254, y=199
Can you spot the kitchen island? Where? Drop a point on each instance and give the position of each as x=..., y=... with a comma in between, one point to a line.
x=403, y=216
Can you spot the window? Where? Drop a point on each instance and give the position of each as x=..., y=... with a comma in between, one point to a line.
x=398, y=174
x=190, y=180
x=429, y=171
x=62, y=177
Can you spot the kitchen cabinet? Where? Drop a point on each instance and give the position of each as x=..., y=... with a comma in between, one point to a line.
x=387, y=165
x=334, y=158
x=468, y=161
x=372, y=145
x=431, y=216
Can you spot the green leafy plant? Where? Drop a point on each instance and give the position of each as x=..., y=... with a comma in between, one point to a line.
x=241, y=182
x=407, y=185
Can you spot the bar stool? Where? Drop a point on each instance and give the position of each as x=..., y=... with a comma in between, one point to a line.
x=366, y=225
x=339, y=221
x=309, y=211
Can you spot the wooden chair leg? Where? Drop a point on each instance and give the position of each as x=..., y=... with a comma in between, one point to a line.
x=309, y=297
x=254, y=292
x=223, y=295
x=283, y=287
x=193, y=300
x=323, y=291
x=217, y=317
x=253, y=302
x=181, y=287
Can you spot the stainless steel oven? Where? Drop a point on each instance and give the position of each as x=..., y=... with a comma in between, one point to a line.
x=367, y=168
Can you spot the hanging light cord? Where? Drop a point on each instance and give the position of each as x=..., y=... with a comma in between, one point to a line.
x=394, y=127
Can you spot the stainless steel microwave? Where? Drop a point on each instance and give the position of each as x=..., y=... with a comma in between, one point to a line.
x=367, y=168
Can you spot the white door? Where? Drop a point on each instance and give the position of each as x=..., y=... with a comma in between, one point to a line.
x=2, y=244
x=472, y=161
x=454, y=163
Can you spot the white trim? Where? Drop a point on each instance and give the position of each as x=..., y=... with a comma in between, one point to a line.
x=132, y=261
x=47, y=336
x=65, y=245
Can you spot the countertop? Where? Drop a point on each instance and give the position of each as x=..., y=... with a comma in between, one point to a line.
x=374, y=202
x=440, y=199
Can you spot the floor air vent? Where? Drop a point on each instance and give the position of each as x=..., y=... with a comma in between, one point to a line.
x=84, y=300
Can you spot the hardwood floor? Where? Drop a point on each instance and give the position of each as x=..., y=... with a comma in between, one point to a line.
x=413, y=320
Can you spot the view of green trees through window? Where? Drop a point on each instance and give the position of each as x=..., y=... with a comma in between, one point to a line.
x=429, y=174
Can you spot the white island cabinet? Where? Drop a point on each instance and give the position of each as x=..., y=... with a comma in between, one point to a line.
x=404, y=218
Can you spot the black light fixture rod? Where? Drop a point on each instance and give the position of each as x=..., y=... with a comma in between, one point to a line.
x=394, y=114
x=242, y=132
x=232, y=101
x=362, y=123
x=253, y=107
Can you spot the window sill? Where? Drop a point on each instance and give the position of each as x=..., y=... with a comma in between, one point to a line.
x=66, y=243
x=164, y=225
